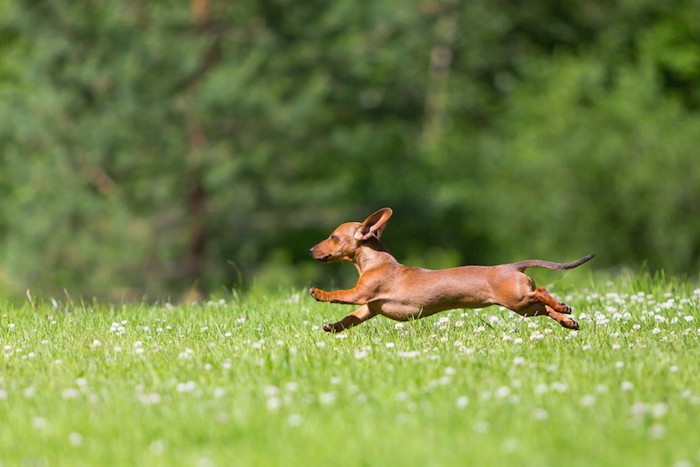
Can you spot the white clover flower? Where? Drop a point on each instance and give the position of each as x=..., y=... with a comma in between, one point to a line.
x=536, y=336
x=657, y=431
x=295, y=420
x=75, y=439
x=638, y=409
x=619, y=365
x=411, y=354
x=502, y=392
x=560, y=387
x=327, y=398
x=659, y=410
x=517, y=361
x=462, y=402
x=627, y=386
x=588, y=401
x=274, y=403
x=157, y=447
x=362, y=353
x=389, y=345
x=540, y=414
x=187, y=387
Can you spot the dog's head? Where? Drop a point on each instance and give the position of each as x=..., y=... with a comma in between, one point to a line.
x=344, y=241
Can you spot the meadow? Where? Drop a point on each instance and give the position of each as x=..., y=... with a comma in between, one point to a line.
x=253, y=380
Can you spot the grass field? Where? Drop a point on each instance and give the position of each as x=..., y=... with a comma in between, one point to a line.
x=254, y=381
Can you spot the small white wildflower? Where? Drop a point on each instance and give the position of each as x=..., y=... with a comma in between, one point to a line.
x=399, y=326
x=673, y=369
x=657, y=431
x=327, y=398
x=588, y=401
x=619, y=365
x=560, y=387
x=502, y=392
x=96, y=343
x=360, y=354
x=274, y=403
x=389, y=345
x=659, y=410
x=39, y=423
x=187, y=387
x=626, y=386
x=510, y=445
x=462, y=402
x=157, y=447
x=517, y=361
x=638, y=409
x=295, y=420
x=320, y=344
x=75, y=439
x=481, y=426
x=540, y=414
x=450, y=371
x=291, y=386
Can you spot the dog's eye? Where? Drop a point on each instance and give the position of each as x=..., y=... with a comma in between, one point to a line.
x=334, y=237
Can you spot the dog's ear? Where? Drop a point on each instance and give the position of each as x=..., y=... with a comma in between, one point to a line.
x=374, y=225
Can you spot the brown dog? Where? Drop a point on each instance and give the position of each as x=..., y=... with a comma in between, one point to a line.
x=388, y=288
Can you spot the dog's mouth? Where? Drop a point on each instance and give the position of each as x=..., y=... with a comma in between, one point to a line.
x=325, y=259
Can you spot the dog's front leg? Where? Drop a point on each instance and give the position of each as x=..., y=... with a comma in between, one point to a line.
x=354, y=296
x=358, y=316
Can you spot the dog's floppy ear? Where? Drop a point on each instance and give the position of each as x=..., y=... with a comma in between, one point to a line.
x=374, y=225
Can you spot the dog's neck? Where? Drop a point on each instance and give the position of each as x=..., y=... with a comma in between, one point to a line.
x=371, y=254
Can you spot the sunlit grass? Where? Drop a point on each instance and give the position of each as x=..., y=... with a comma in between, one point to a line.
x=255, y=381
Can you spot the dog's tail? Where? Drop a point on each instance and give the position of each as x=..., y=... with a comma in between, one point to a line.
x=538, y=263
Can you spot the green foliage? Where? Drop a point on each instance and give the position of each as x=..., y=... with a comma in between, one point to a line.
x=145, y=149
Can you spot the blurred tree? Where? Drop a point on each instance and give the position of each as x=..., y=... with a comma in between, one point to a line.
x=148, y=147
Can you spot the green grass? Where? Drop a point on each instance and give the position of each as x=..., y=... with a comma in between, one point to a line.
x=254, y=381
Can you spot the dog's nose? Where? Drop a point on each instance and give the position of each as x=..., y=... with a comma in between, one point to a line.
x=311, y=250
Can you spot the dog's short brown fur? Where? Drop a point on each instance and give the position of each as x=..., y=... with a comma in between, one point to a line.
x=388, y=288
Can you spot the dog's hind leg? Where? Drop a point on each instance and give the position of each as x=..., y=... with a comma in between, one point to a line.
x=358, y=316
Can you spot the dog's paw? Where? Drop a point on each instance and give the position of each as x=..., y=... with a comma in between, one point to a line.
x=316, y=293
x=565, y=308
x=572, y=324
x=328, y=328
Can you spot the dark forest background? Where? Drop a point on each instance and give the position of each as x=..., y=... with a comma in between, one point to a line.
x=148, y=147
